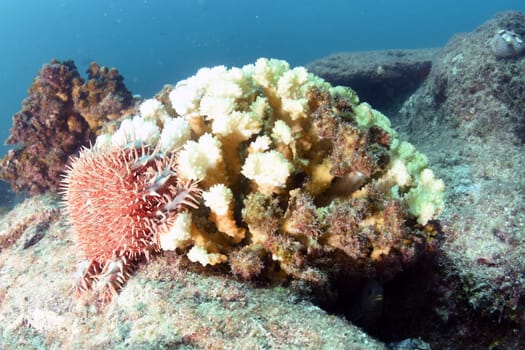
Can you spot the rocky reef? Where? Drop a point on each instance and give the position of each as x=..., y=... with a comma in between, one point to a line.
x=467, y=117
x=384, y=78
x=263, y=173
x=62, y=113
x=169, y=304
x=473, y=102
x=296, y=182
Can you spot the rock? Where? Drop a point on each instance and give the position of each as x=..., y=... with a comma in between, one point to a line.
x=507, y=44
x=468, y=117
x=382, y=78
x=169, y=303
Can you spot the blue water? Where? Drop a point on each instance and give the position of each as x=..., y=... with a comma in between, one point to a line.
x=153, y=42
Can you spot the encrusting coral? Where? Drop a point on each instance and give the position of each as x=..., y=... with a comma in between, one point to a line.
x=297, y=178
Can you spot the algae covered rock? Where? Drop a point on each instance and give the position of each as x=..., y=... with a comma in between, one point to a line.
x=383, y=78
x=165, y=306
x=62, y=113
x=473, y=103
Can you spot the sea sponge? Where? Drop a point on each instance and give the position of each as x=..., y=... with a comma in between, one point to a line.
x=298, y=178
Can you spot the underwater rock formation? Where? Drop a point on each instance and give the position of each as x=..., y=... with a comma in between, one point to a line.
x=470, y=87
x=168, y=305
x=474, y=103
x=299, y=180
x=382, y=78
x=61, y=113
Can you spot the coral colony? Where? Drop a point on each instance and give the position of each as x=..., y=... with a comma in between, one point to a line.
x=62, y=113
x=265, y=168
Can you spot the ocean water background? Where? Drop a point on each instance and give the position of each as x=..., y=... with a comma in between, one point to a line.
x=154, y=42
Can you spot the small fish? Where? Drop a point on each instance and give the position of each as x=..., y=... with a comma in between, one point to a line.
x=409, y=344
x=367, y=311
x=40, y=232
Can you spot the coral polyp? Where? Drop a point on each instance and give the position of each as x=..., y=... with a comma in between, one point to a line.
x=119, y=201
